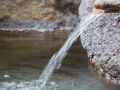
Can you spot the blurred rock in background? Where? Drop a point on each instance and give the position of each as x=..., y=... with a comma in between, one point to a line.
x=38, y=14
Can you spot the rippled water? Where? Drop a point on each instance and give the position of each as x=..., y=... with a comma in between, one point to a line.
x=23, y=55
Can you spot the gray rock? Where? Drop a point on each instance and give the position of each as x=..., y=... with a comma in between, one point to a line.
x=102, y=41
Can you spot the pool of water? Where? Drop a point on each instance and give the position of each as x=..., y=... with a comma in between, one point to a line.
x=23, y=55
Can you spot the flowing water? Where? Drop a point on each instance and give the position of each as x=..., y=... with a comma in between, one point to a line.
x=19, y=68
x=23, y=55
x=55, y=61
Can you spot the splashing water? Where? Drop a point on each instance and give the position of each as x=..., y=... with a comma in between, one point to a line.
x=57, y=58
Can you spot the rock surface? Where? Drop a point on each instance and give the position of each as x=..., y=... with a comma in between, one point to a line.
x=109, y=5
x=102, y=42
x=29, y=14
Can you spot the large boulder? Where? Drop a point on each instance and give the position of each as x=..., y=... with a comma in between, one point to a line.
x=102, y=41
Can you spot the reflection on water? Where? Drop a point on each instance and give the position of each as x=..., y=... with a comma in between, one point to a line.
x=23, y=55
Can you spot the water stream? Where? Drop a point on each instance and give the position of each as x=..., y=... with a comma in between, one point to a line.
x=55, y=61
x=23, y=55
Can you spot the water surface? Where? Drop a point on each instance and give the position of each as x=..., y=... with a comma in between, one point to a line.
x=23, y=55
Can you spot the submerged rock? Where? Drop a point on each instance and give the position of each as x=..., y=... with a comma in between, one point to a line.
x=102, y=42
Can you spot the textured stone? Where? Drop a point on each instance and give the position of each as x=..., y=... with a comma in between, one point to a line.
x=108, y=5
x=102, y=41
